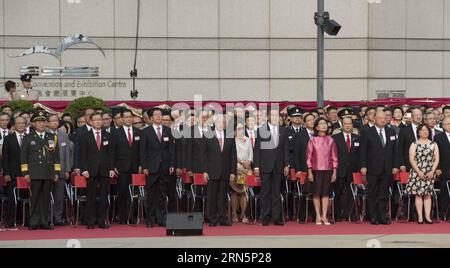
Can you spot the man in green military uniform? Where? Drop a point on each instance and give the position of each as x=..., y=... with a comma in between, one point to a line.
x=40, y=166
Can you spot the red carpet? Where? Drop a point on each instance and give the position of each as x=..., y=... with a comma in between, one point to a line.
x=291, y=228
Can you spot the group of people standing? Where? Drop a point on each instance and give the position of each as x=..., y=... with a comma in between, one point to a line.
x=329, y=145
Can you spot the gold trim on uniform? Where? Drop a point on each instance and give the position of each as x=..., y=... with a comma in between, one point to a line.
x=57, y=167
x=24, y=167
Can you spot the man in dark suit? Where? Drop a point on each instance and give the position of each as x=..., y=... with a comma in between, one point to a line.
x=196, y=149
x=11, y=165
x=179, y=143
x=407, y=136
x=445, y=113
x=370, y=115
x=302, y=143
x=219, y=168
x=347, y=144
x=158, y=162
x=107, y=120
x=250, y=129
x=196, y=144
x=117, y=118
x=96, y=164
x=443, y=142
x=300, y=153
x=271, y=161
x=430, y=121
x=78, y=133
x=126, y=147
x=4, y=121
x=379, y=161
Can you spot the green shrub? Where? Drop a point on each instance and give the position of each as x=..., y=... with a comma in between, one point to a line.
x=77, y=106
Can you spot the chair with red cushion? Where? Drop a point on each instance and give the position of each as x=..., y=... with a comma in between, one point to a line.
x=254, y=185
x=359, y=193
x=21, y=188
x=77, y=183
x=300, y=183
x=198, y=190
x=137, y=192
x=291, y=193
x=401, y=179
x=184, y=188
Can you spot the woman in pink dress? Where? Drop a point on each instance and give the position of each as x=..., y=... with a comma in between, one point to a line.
x=322, y=162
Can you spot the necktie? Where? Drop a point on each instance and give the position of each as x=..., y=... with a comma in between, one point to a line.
x=41, y=136
x=383, y=142
x=97, y=139
x=219, y=134
x=130, y=141
x=310, y=134
x=252, y=139
x=4, y=133
x=20, y=140
x=296, y=130
x=348, y=142
x=158, y=132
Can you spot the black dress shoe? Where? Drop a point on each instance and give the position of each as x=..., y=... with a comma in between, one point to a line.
x=32, y=227
x=428, y=222
x=374, y=222
x=60, y=223
x=280, y=223
x=103, y=226
x=265, y=223
x=162, y=224
x=385, y=222
x=225, y=224
x=90, y=227
x=46, y=227
x=212, y=224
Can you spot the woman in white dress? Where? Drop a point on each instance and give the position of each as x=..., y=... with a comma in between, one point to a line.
x=244, y=151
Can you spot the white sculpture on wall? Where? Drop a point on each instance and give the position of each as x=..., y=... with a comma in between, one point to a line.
x=75, y=39
x=37, y=50
x=67, y=42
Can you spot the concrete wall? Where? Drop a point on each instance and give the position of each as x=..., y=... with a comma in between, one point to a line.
x=234, y=49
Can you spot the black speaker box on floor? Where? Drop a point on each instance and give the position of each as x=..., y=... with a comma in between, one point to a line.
x=184, y=224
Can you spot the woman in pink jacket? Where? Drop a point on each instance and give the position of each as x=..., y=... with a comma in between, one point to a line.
x=322, y=162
